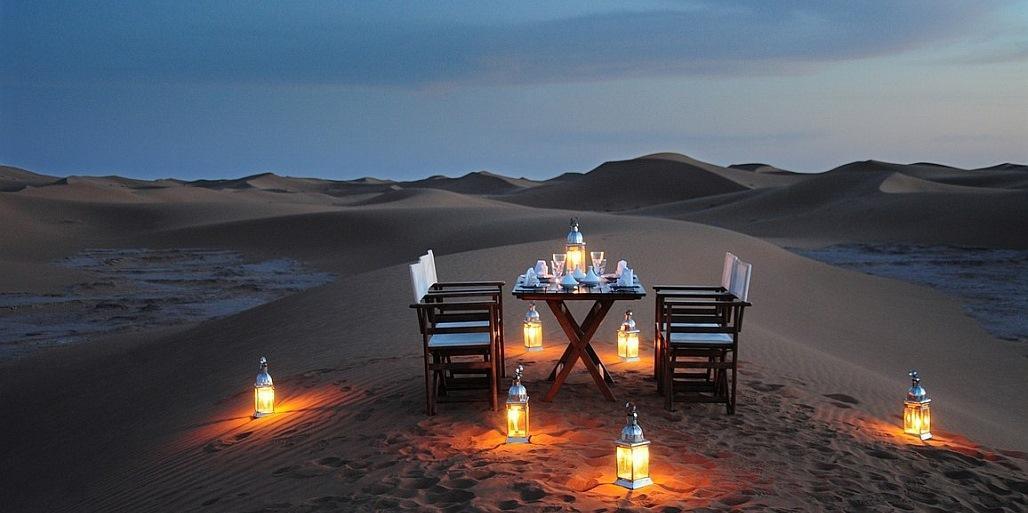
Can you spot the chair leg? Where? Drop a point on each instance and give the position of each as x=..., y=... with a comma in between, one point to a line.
x=503, y=355
x=668, y=371
x=428, y=387
x=658, y=363
x=735, y=366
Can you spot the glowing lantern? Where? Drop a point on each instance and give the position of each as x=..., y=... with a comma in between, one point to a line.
x=517, y=410
x=533, y=327
x=575, y=249
x=633, y=454
x=263, y=391
x=917, y=417
x=628, y=339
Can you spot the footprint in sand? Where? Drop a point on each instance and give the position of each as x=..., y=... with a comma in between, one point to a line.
x=843, y=398
x=764, y=387
x=219, y=444
x=319, y=467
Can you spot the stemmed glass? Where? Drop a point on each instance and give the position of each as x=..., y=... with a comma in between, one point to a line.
x=598, y=261
x=558, y=264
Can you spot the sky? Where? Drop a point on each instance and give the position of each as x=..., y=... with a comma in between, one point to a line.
x=404, y=90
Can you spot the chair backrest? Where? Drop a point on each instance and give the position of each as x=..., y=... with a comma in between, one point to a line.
x=728, y=270
x=417, y=281
x=740, y=286
x=430, y=274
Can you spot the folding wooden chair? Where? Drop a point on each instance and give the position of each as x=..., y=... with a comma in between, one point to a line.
x=699, y=344
x=448, y=346
x=434, y=290
x=661, y=292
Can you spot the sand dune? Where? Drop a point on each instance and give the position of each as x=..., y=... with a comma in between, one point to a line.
x=858, y=202
x=15, y=179
x=628, y=184
x=758, y=167
x=479, y=182
x=159, y=420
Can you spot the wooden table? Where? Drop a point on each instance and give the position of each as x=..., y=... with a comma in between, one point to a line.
x=579, y=334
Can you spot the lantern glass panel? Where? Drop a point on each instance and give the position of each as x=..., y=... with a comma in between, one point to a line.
x=575, y=257
x=633, y=462
x=628, y=345
x=533, y=336
x=917, y=420
x=264, y=400
x=517, y=421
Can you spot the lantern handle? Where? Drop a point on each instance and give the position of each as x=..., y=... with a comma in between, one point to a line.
x=262, y=362
x=633, y=417
x=914, y=377
x=518, y=372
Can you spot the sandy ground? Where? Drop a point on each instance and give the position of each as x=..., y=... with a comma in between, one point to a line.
x=159, y=420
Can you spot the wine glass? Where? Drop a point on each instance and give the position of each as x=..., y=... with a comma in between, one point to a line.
x=558, y=264
x=600, y=266
x=597, y=256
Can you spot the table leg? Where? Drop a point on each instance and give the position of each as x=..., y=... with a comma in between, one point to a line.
x=578, y=346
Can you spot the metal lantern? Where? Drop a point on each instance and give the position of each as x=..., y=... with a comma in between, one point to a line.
x=633, y=454
x=533, y=328
x=575, y=249
x=263, y=391
x=517, y=410
x=628, y=339
x=917, y=416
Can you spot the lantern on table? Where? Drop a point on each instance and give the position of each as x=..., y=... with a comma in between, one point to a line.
x=263, y=391
x=633, y=454
x=917, y=416
x=628, y=339
x=575, y=249
x=517, y=410
x=533, y=328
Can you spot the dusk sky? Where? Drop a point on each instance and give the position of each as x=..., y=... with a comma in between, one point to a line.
x=409, y=89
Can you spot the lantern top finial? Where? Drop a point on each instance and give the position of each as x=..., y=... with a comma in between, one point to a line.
x=629, y=323
x=916, y=392
x=263, y=378
x=533, y=314
x=575, y=236
x=517, y=393
x=632, y=433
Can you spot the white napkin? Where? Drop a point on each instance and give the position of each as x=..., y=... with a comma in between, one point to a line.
x=541, y=267
x=531, y=279
x=627, y=278
x=622, y=265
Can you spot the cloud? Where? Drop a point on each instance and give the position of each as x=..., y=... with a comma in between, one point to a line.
x=314, y=42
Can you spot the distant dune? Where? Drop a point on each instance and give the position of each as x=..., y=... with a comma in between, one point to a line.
x=479, y=182
x=627, y=184
x=15, y=179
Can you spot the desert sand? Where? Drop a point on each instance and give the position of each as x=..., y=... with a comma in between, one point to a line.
x=159, y=419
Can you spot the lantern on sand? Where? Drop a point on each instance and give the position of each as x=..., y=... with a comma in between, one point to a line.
x=633, y=454
x=533, y=328
x=917, y=417
x=575, y=249
x=517, y=410
x=263, y=391
x=628, y=339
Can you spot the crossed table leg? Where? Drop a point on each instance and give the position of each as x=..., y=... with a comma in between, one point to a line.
x=579, y=337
